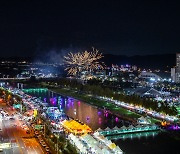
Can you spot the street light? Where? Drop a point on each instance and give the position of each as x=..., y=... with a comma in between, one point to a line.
x=57, y=143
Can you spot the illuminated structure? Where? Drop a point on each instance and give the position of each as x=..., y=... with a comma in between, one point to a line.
x=150, y=76
x=133, y=135
x=126, y=130
x=175, y=72
x=75, y=127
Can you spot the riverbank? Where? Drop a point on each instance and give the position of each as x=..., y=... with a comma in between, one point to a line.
x=112, y=108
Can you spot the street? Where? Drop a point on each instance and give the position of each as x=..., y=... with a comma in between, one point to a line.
x=13, y=136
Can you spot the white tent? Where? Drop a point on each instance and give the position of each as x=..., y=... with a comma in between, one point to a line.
x=123, y=127
x=107, y=129
x=117, y=150
x=138, y=126
x=143, y=120
x=96, y=134
x=99, y=130
x=130, y=127
x=106, y=151
x=116, y=128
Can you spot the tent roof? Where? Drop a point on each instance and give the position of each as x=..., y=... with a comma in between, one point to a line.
x=107, y=129
x=123, y=127
x=115, y=128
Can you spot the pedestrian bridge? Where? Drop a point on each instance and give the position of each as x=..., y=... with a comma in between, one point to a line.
x=35, y=90
x=127, y=130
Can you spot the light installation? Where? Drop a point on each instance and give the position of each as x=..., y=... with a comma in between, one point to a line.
x=53, y=101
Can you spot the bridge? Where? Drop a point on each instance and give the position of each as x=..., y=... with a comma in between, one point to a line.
x=128, y=130
x=35, y=90
x=133, y=135
x=22, y=78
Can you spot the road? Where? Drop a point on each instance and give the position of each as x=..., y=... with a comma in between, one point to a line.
x=15, y=136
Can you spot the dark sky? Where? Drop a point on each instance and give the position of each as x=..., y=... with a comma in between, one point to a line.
x=31, y=27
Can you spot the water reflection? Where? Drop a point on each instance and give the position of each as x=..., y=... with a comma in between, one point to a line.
x=138, y=143
x=95, y=118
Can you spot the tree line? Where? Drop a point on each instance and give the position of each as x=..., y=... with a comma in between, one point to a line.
x=98, y=90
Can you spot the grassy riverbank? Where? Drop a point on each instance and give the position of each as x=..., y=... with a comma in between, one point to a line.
x=99, y=103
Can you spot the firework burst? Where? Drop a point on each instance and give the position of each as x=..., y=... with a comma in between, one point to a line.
x=83, y=61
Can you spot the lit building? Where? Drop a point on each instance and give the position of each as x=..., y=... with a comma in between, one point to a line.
x=150, y=76
x=175, y=72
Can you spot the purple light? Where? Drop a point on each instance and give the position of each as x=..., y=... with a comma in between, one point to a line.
x=174, y=127
x=99, y=113
x=53, y=101
x=116, y=119
x=79, y=103
x=87, y=119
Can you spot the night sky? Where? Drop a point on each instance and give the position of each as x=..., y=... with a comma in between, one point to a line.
x=32, y=27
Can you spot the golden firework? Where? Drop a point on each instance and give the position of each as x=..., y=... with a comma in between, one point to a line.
x=83, y=61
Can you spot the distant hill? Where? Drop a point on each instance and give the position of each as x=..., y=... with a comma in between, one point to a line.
x=163, y=62
x=148, y=61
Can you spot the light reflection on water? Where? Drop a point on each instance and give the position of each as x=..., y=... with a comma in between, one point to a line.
x=94, y=117
x=139, y=143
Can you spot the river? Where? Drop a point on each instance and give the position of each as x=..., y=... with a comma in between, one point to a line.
x=142, y=143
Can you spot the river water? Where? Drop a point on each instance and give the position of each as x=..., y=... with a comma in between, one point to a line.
x=142, y=143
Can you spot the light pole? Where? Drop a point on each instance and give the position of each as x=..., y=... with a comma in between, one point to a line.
x=44, y=130
x=57, y=143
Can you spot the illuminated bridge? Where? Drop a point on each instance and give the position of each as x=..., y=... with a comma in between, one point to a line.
x=128, y=130
x=178, y=109
x=35, y=90
x=133, y=135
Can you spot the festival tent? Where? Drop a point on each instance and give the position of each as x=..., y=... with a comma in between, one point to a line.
x=106, y=151
x=75, y=127
x=112, y=146
x=123, y=128
x=108, y=142
x=107, y=129
x=99, y=130
x=116, y=128
x=117, y=150
x=143, y=120
x=138, y=126
x=96, y=150
x=78, y=143
x=130, y=127
x=96, y=134
x=105, y=140
x=89, y=139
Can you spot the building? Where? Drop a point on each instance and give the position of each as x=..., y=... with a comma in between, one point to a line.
x=175, y=72
x=146, y=92
x=149, y=76
x=178, y=67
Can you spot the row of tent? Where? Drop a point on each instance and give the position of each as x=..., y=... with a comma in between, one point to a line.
x=129, y=127
x=108, y=143
x=89, y=144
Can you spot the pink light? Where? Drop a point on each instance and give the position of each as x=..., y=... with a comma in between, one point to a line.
x=99, y=120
